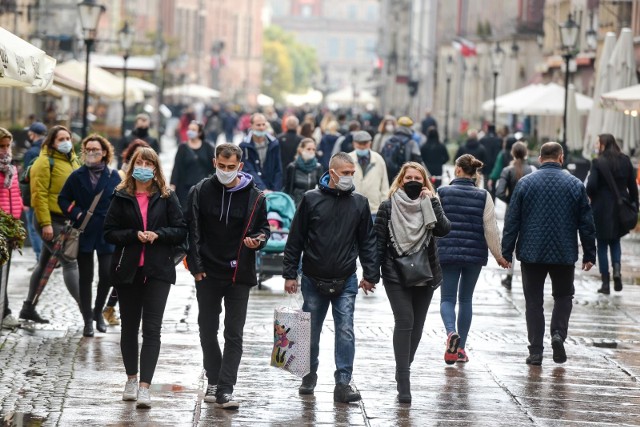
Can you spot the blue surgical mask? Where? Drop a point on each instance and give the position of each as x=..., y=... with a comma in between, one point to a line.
x=259, y=133
x=142, y=174
x=192, y=134
x=65, y=147
x=362, y=153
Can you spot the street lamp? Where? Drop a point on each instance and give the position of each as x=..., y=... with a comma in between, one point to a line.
x=497, y=58
x=90, y=13
x=163, y=50
x=448, y=69
x=569, y=32
x=126, y=40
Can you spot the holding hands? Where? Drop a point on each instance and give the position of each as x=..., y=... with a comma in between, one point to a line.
x=502, y=262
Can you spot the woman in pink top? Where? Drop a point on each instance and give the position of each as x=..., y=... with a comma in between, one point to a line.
x=11, y=203
x=145, y=223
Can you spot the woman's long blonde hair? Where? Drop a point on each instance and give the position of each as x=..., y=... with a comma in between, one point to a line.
x=159, y=182
x=398, y=181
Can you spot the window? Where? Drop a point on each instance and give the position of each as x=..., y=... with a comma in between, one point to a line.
x=350, y=48
x=306, y=11
x=333, y=46
x=352, y=11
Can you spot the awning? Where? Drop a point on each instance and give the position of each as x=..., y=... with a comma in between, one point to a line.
x=622, y=99
x=116, y=62
x=23, y=64
x=537, y=100
x=103, y=84
x=193, y=91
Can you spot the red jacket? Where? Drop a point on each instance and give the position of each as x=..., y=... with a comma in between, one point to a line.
x=10, y=198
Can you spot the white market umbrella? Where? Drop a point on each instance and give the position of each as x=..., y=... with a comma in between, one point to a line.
x=346, y=96
x=265, y=100
x=596, y=115
x=549, y=101
x=507, y=102
x=574, y=133
x=622, y=74
x=193, y=91
x=24, y=65
x=622, y=99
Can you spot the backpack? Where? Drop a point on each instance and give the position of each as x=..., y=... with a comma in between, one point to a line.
x=25, y=180
x=394, y=154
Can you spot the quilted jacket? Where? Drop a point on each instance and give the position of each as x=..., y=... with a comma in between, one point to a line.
x=548, y=209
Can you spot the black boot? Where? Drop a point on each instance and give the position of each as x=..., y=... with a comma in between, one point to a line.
x=88, y=324
x=617, y=278
x=29, y=312
x=605, y=285
x=404, y=387
x=308, y=384
x=506, y=282
x=100, y=323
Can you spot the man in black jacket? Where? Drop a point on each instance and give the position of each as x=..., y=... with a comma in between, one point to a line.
x=140, y=131
x=227, y=219
x=289, y=141
x=332, y=227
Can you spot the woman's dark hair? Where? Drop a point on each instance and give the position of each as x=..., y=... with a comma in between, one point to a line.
x=131, y=149
x=469, y=165
x=200, y=129
x=306, y=130
x=52, y=135
x=432, y=135
x=519, y=153
x=609, y=149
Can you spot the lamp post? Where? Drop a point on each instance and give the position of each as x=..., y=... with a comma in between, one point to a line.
x=569, y=31
x=90, y=13
x=497, y=58
x=448, y=69
x=163, y=50
x=126, y=40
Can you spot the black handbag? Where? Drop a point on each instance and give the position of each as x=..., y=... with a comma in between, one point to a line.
x=329, y=288
x=414, y=268
x=627, y=211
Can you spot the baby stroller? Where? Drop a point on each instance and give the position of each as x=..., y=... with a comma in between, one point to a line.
x=280, y=211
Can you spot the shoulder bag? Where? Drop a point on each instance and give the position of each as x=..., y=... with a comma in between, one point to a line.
x=71, y=235
x=627, y=211
x=414, y=268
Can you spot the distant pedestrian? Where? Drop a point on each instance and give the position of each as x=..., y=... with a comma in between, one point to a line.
x=507, y=184
x=93, y=179
x=227, y=218
x=345, y=143
x=10, y=203
x=385, y=131
x=128, y=154
x=47, y=176
x=261, y=156
x=409, y=222
x=611, y=166
x=548, y=209
x=289, y=141
x=145, y=223
x=302, y=174
x=331, y=229
x=463, y=252
x=473, y=147
x=400, y=148
x=140, y=131
x=428, y=122
x=327, y=143
x=492, y=144
x=370, y=178
x=502, y=161
x=434, y=155
x=193, y=162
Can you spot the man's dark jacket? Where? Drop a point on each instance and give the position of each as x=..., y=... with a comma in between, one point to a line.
x=289, y=142
x=330, y=229
x=267, y=176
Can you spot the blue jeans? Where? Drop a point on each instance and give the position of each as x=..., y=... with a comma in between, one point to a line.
x=34, y=236
x=342, y=307
x=616, y=254
x=458, y=280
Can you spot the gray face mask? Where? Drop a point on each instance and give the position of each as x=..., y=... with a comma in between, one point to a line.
x=345, y=183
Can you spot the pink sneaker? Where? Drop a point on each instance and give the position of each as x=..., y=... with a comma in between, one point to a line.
x=462, y=356
x=451, y=353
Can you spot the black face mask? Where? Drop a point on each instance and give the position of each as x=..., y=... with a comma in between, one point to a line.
x=413, y=189
x=142, y=132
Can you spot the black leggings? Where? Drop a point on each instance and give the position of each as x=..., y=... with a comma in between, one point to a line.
x=85, y=270
x=141, y=300
x=409, y=306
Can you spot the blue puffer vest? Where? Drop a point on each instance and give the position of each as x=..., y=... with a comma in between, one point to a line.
x=463, y=204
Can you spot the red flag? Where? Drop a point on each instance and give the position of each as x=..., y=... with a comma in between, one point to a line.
x=465, y=47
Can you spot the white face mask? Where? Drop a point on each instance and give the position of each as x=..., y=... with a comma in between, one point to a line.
x=226, y=177
x=345, y=183
x=306, y=155
x=389, y=128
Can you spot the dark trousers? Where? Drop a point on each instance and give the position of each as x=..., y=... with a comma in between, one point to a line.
x=409, y=306
x=142, y=300
x=221, y=367
x=85, y=271
x=533, y=277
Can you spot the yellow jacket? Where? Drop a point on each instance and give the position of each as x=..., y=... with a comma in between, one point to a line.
x=46, y=183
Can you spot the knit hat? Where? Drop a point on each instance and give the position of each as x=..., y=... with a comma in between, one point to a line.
x=405, y=121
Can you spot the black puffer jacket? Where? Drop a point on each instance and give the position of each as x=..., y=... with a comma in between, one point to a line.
x=386, y=252
x=121, y=226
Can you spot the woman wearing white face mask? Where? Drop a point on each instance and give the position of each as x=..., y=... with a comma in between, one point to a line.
x=304, y=172
x=385, y=131
x=193, y=162
x=47, y=176
x=93, y=180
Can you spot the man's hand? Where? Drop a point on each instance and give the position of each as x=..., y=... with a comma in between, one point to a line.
x=253, y=243
x=502, y=262
x=199, y=276
x=291, y=286
x=587, y=266
x=490, y=184
x=367, y=286
x=47, y=233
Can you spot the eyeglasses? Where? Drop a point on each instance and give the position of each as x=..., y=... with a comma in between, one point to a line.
x=93, y=151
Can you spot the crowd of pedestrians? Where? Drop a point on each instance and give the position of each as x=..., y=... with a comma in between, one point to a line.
x=363, y=190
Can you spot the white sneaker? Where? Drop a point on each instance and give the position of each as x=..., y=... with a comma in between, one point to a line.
x=144, y=398
x=210, y=395
x=10, y=322
x=130, y=390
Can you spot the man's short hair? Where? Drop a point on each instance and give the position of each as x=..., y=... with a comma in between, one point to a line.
x=340, y=158
x=227, y=150
x=254, y=116
x=551, y=151
x=292, y=123
x=143, y=116
x=354, y=125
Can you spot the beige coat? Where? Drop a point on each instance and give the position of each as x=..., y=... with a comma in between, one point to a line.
x=374, y=185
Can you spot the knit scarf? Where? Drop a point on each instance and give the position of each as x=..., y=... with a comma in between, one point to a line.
x=95, y=171
x=306, y=167
x=412, y=222
x=7, y=168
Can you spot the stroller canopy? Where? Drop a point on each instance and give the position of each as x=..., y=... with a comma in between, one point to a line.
x=283, y=204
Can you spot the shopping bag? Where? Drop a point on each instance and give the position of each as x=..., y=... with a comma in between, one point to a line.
x=291, y=340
